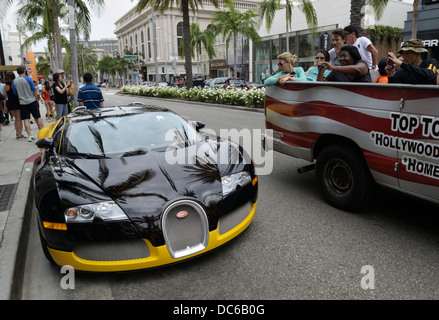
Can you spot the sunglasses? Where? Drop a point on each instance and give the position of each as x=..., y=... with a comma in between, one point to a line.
x=280, y=64
x=320, y=58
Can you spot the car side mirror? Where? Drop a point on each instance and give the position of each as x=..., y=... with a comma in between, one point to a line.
x=199, y=125
x=45, y=143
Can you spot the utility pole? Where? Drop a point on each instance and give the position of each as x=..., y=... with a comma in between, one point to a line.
x=73, y=49
x=154, y=35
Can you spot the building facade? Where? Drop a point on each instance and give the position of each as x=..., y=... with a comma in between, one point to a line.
x=137, y=31
x=428, y=27
x=253, y=62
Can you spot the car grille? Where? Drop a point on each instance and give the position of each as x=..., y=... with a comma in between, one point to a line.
x=233, y=218
x=185, y=235
x=113, y=250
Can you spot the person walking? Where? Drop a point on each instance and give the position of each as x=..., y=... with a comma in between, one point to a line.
x=90, y=95
x=49, y=104
x=27, y=94
x=60, y=91
x=367, y=50
x=12, y=105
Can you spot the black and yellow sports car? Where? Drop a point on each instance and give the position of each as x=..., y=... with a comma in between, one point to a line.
x=135, y=187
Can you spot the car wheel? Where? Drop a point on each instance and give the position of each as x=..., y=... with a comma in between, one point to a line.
x=343, y=177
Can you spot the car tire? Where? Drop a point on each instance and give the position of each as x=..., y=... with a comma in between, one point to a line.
x=344, y=178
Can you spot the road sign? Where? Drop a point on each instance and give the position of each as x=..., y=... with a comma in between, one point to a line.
x=129, y=59
x=29, y=70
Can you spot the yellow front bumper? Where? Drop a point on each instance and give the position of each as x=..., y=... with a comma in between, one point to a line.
x=159, y=256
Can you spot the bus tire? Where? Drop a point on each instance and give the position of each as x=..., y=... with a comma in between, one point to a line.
x=344, y=178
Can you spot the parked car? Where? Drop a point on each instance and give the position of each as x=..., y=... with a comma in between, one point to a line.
x=112, y=193
x=198, y=81
x=226, y=82
x=252, y=85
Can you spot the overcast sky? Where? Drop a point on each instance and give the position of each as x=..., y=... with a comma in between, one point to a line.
x=102, y=25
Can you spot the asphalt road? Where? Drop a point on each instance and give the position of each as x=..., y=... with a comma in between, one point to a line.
x=297, y=247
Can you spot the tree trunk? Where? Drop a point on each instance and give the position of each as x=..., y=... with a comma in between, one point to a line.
x=187, y=44
x=356, y=14
x=58, y=52
x=415, y=19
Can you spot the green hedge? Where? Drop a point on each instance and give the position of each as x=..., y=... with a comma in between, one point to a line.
x=253, y=98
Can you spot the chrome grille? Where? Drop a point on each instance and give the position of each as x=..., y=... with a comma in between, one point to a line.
x=113, y=250
x=185, y=235
x=233, y=218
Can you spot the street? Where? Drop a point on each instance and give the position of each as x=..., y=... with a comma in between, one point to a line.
x=298, y=247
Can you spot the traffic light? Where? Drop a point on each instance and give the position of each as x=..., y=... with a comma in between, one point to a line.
x=118, y=56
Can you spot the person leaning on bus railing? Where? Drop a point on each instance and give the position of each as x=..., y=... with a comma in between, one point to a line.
x=352, y=68
x=313, y=72
x=412, y=70
x=288, y=72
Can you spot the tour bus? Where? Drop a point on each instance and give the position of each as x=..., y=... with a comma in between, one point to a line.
x=359, y=135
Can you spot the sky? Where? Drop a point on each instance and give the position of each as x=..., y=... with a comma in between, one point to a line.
x=102, y=25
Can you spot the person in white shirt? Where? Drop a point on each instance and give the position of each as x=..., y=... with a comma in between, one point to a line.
x=367, y=50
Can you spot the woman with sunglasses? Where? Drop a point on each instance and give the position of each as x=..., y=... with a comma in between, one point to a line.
x=288, y=72
x=313, y=72
x=352, y=68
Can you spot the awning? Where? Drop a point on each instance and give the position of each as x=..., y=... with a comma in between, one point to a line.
x=8, y=68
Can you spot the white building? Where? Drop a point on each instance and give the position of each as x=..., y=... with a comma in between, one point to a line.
x=136, y=30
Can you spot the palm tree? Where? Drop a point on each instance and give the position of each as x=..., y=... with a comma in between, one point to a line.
x=43, y=65
x=230, y=23
x=269, y=7
x=357, y=15
x=184, y=5
x=49, y=11
x=200, y=38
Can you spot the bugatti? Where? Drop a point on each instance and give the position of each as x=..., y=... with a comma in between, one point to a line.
x=137, y=187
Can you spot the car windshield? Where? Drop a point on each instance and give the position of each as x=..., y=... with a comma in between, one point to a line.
x=128, y=135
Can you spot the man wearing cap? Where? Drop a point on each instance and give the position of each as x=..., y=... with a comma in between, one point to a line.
x=413, y=70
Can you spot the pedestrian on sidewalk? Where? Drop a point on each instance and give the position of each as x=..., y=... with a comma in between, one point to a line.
x=60, y=90
x=49, y=104
x=90, y=95
x=2, y=117
x=27, y=94
x=12, y=105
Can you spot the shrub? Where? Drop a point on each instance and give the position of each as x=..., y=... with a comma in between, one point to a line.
x=249, y=98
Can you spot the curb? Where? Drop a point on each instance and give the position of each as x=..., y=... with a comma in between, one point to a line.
x=16, y=235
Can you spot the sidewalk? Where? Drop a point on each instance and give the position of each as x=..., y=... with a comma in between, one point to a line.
x=17, y=158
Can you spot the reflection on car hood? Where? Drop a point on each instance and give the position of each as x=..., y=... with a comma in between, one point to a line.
x=143, y=185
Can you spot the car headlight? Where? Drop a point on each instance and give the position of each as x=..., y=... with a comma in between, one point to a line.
x=106, y=211
x=231, y=182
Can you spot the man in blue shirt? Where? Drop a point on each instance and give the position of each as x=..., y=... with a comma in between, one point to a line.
x=90, y=95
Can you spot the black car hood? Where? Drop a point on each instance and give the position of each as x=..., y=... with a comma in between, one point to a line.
x=144, y=185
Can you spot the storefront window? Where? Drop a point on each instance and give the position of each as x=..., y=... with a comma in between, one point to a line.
x=308, y=45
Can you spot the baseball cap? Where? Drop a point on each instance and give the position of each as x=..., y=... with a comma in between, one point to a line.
x=60, y=71
x=415, y=45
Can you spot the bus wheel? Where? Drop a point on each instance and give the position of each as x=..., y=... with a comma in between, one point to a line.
x=343, y=177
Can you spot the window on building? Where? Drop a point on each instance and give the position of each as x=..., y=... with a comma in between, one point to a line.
x=142, y=43
x=148, y=34
x=180, y=39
